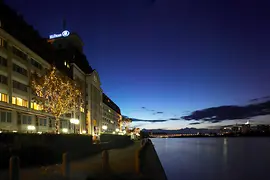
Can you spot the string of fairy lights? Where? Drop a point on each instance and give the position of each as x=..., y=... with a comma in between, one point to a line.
x=57, y=93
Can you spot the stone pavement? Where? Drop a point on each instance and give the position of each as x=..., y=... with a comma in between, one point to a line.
x=122, y=161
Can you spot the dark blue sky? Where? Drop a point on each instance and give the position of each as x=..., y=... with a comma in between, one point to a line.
x=170, y=56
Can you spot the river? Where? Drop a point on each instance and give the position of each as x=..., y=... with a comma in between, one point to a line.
x=214, y=158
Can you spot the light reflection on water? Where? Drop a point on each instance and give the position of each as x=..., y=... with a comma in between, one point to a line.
x=214, y=158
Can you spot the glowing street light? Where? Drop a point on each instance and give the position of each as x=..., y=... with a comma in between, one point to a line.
x=31, y=128
x=74, y=121
x=104, y=127
x=117, y=130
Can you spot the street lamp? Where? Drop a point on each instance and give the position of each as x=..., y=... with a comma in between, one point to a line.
x=104, y=127
x=117, y=130
x=31, y=128
x=74, y=122
x=65, y=130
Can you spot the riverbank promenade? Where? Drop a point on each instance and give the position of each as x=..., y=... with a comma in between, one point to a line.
x=122, y=165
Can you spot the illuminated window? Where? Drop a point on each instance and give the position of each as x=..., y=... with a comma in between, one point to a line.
x=82, y=109
x=13, y=100
x=19, y=101
x=36, y=106
x=3, y=97
x=24, y=103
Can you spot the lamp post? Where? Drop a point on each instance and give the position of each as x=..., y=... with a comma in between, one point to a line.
x=74, y=122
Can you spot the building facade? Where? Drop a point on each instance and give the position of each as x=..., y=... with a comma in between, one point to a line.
x=111, y=116
x=25, y=52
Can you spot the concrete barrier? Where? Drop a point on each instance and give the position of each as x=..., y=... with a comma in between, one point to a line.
x=14, y=168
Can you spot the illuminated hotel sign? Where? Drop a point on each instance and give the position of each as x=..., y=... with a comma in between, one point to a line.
x=63, y=34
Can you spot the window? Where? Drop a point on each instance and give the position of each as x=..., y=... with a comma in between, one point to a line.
x=19, y=101
x=63, y=124
x=3, y=97
x=36, y=64
x=3, y=43
x=3, y=61
x=20, y=86
x=20, y=70
x=82, y=109
x=26, y=119
x=36, y=106
x=19, y=53
x=5, y=116
x=42, y=122
x=3, y=79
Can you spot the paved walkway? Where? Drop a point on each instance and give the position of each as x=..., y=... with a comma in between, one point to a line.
x=122, y=161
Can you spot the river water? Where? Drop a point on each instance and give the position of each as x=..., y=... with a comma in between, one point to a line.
x=214, y=158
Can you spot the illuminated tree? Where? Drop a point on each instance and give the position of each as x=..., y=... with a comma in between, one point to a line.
x=124, y=122
x=57, y=93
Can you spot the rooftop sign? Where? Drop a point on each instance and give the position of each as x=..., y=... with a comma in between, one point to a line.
x=65, y=33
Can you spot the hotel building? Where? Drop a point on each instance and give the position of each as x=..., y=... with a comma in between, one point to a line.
x=23, y=52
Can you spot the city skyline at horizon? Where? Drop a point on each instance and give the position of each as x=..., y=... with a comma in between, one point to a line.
x=179, y=65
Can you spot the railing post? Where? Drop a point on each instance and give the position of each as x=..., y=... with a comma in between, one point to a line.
x=14, y=168
x=66, y=165
x=142, y=142
x=105, y=161
x=139, y=160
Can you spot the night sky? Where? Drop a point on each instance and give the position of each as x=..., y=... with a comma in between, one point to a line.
x=163, y=59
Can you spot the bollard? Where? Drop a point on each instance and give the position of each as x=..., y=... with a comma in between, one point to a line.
x=105, y=161
x=142, y=142
x=14, y=168
x=138, y=160
x=66, y=165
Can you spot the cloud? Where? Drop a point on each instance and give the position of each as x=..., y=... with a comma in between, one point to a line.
x=154, y=111
x=151, y=121
x=174, y=119
x=194, y=123
x=221, y=113
x=264, y=98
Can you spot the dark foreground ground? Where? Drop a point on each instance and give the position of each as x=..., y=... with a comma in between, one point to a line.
x=121, y=162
